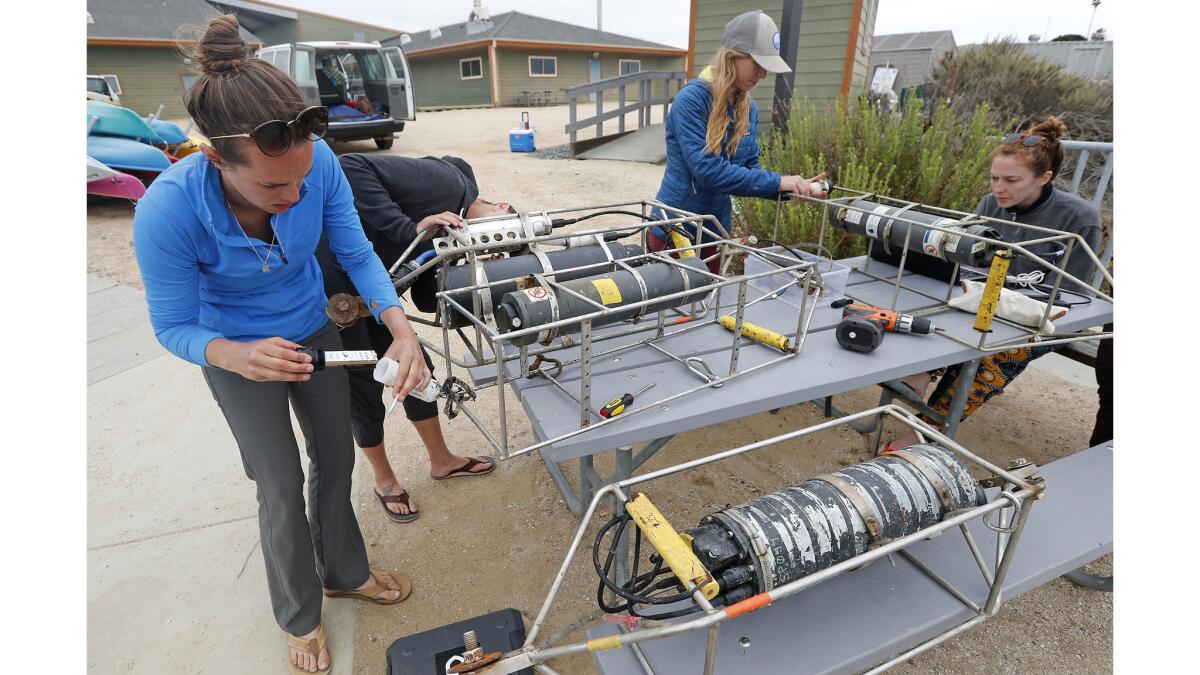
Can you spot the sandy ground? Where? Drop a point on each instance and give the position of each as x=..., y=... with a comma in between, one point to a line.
x=490, y=543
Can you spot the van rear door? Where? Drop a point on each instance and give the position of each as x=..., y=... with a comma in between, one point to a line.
x=400, y=91
x=303, y=69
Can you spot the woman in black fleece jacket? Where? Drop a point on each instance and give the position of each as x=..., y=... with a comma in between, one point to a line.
x=399, y=199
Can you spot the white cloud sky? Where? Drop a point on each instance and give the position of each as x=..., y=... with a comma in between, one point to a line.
x=666, y=21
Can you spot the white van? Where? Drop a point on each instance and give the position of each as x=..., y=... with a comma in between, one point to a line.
x=366, y=87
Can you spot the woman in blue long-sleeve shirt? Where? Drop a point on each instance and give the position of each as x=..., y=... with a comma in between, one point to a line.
x=225, y=241
x=712, y=146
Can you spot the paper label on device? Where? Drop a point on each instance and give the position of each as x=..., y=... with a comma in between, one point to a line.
x=366, y=356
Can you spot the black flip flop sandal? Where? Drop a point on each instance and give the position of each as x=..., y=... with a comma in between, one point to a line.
x=401, y=498
x=467, y=469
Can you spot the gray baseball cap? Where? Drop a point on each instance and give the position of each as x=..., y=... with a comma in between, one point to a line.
x=756, y=34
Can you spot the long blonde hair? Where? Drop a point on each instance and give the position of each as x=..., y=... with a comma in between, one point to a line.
x=724, y=77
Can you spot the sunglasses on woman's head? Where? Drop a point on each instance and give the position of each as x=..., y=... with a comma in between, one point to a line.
x=276, y=137
x=1029, y=141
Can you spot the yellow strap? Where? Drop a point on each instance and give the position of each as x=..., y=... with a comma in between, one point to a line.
x=679, y=241
x=601, y=644
x=678, y=555
x=757, y=333
x=991, y=291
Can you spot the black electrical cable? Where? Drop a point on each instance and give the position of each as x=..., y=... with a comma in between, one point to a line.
x=620, y=521
x=563, y=222
x=1043, y=289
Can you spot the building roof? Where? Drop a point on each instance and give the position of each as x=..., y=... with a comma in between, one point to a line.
x=910, y=41
x=153, y=21
x=516, y=26
x=283, y=11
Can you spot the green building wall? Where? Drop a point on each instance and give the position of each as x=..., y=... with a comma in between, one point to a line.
x=149, y=76
x=437, y=82
x=572, y=70
x=820, y=56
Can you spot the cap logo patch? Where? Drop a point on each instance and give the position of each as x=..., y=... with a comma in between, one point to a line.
x=775, y=41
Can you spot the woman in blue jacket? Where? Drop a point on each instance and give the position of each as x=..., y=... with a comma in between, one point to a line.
x=712, y=148
x=225, y=241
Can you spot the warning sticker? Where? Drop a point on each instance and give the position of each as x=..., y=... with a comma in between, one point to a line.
x=609, y=293
x=536, y=294
x=853, y=216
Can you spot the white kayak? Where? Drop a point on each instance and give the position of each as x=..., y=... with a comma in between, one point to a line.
x=97, y=170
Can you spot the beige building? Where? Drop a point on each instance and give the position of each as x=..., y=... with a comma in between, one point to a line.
x=518, y=59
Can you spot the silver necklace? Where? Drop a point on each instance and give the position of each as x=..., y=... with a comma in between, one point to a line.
x=265, y=267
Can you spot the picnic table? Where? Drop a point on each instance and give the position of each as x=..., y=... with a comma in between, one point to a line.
x=821, y=370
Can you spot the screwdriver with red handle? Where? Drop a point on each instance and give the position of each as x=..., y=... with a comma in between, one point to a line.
x=617, y=405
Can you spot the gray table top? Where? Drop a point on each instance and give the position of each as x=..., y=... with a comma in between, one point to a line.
x=823, y=368
x=861, y=618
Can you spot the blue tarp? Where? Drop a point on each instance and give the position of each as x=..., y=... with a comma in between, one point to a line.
x=344, y=113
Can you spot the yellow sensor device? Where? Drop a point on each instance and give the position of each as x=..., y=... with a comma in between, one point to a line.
x=671, y=546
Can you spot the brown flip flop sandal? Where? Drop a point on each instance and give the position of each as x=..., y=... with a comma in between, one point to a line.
x=401, y=498
x=374, y=594
x=465, y=469
x=308, y=646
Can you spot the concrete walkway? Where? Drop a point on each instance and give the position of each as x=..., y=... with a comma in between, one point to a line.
x=175, y=573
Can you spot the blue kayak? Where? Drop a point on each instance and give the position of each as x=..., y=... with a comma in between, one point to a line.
x=171, y=133
x=126, y=154
x=112, y=120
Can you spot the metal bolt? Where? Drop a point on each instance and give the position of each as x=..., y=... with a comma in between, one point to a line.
x=470, y=642
x=729, y=533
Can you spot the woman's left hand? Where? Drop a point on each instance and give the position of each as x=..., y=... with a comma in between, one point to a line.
x=406, y=351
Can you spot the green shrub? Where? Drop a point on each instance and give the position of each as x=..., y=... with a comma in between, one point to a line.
x=936, y=160
x=1021, y=90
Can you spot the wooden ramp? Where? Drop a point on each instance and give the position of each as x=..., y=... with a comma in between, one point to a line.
x=648, y=144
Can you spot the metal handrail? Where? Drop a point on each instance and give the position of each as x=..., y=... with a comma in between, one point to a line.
x=644, y=81
x=1085, y=149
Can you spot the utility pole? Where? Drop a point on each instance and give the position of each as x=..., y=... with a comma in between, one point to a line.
x=598, y=7
x=785, y=83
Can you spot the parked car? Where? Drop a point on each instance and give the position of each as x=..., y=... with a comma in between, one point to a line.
x=366, y=87
x=98, y=89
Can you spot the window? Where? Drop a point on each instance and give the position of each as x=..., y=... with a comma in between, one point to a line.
x=282, y=57
x=302, y=68
x=114, y=85
x=470, y=69
x=543, y=66
x=188, y=81
x=374, y=64
x=630, y=66
x=396, y=62
x=97, y=85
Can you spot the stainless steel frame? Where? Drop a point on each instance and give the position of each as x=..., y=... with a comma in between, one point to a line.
x=1075, y=245
x=485, y=332
x=1012, y=506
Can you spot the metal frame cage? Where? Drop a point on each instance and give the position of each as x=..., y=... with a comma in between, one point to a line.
x=1005, y=513
x=954, y=224
x=659, y=321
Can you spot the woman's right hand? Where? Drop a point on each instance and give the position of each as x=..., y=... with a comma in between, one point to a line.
x=801, y=185
x=271, y=359
x=430, y=225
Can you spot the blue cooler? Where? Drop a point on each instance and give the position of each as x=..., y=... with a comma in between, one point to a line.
x=521, y=140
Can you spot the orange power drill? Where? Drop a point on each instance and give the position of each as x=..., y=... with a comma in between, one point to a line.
x=863, y=326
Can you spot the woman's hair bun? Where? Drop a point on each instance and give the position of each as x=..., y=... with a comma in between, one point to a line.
x=1051, y=127
x=221, y=48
